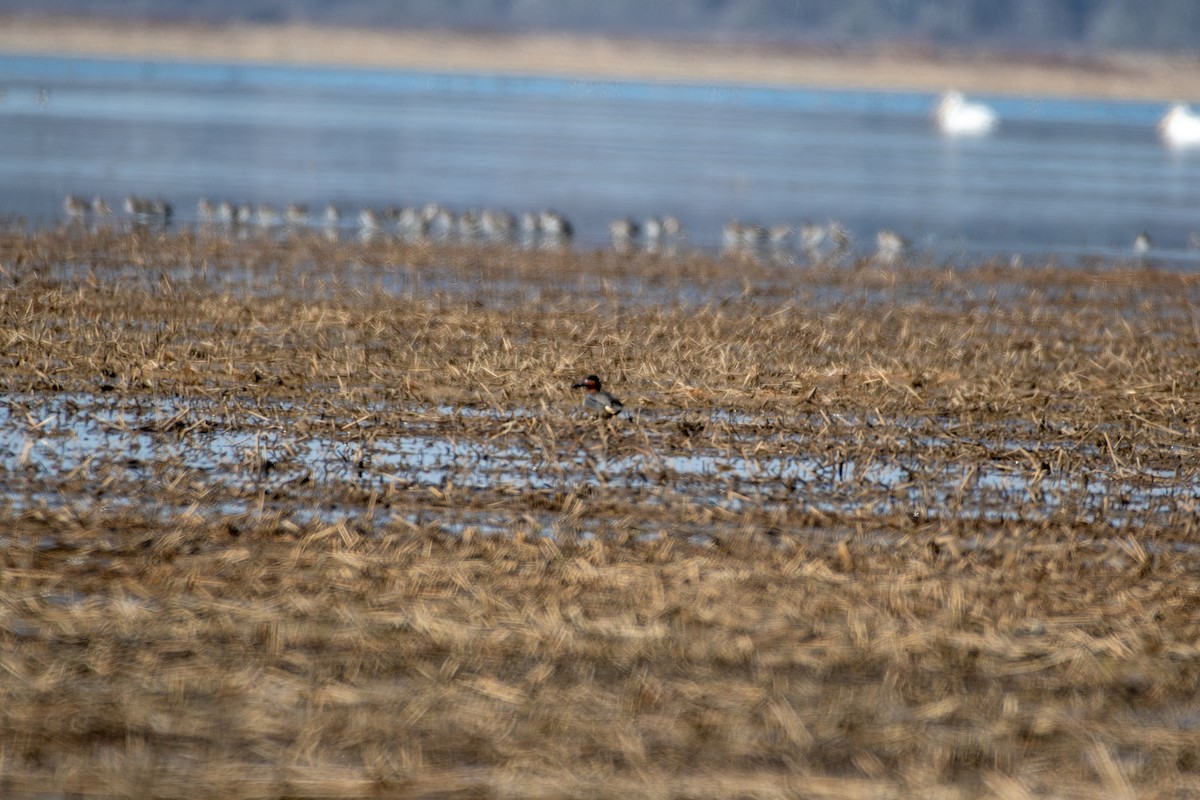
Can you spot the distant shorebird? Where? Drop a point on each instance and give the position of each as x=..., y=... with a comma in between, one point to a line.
x=812, y=237
x=779, y=233
x=227, y=213
x=1180, y=127
x=555, y=227
x=840, y=236
x=469, y=226
x=653, y=230
x=1142, y=243
x=296, y=215
x=410, y=224
x=162, y=210
x=266, y=216
x=368, y=219
x=958, y=117
x=596, y=400
x=137, y=206
x=76, y=207
x=437, y=221
x=890, y=246
x=145, y=211
x=100, y=207
x=206, y=212
x=622, y=233
x=498, y=223
x=672, y=227
x=745, y=237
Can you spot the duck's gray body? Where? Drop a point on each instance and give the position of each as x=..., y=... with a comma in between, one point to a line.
x=597, y=400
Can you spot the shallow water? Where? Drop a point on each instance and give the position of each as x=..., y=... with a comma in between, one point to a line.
x=101, y=451
x=1064, y=177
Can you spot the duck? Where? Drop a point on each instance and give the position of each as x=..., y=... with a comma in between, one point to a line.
x=598, y=401
x=956, y=116
x=1180, y=126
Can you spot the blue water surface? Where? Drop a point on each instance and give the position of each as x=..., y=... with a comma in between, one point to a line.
x=1059, y=176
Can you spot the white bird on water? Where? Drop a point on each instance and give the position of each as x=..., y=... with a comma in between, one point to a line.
x=956, y=116
x=1180, y=127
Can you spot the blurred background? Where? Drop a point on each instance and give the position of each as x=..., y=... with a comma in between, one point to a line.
x=764, y=115
x=1019, y=24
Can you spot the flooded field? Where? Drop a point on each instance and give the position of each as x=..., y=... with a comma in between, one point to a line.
x=292, y=517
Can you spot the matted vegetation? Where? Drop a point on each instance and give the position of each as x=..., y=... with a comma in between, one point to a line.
x=293, y=518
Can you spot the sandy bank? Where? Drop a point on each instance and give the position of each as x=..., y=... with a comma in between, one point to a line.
x=1128, y=76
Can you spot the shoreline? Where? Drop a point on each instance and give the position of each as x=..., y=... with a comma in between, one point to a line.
x=1149, y=77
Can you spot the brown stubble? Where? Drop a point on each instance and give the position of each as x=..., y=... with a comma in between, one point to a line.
x=356, y=629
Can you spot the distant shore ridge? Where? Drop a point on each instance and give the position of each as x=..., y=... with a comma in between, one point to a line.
x=1124, y=75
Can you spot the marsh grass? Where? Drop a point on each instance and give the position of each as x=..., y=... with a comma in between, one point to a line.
x=292, y=518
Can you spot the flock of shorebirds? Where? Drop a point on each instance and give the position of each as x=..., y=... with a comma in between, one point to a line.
x=432, y=222
x=437, y=223
x=548, y=229
x=954, y=114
